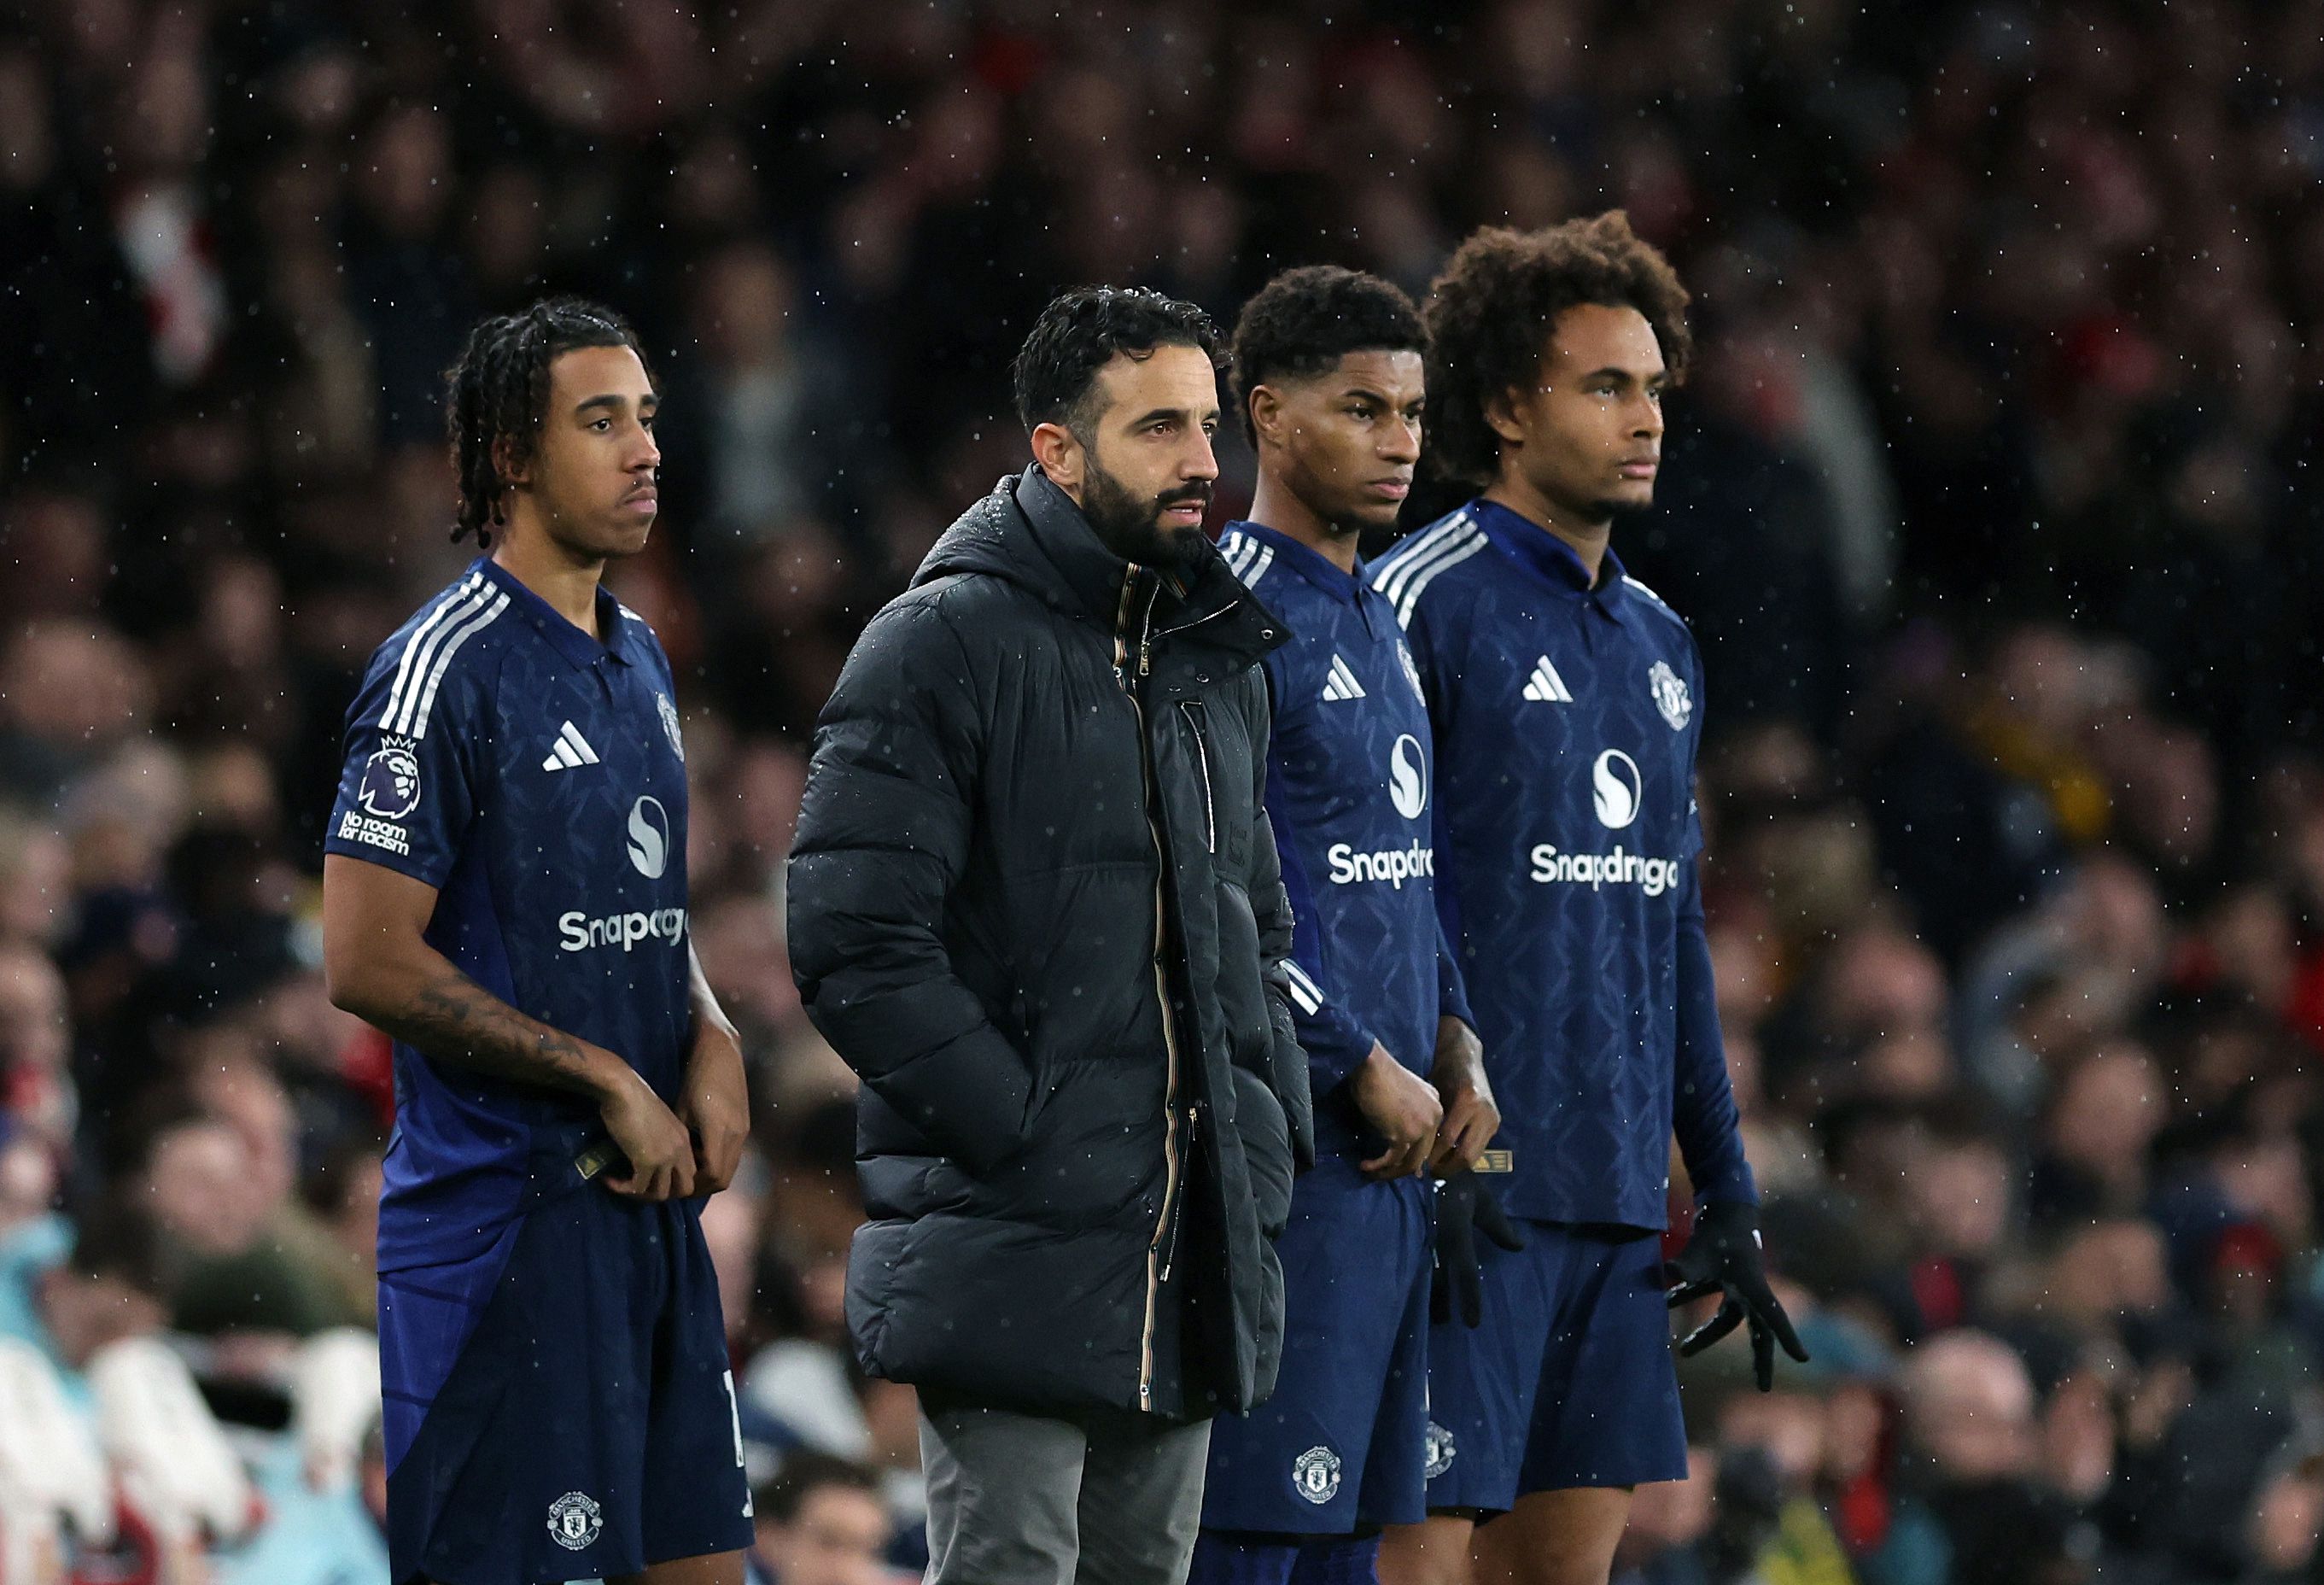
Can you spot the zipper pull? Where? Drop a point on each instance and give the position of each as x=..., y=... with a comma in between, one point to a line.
x=1146, y=626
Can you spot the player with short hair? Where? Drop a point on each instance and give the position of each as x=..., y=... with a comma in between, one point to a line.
x=1566, y=700
x=1328, y=380
x=504, y=892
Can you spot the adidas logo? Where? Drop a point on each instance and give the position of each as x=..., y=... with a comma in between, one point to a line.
x=1547, y=685
x=572, y=750
x=1342, y=682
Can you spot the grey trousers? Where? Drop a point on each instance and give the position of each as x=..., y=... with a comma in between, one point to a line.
x=1021, y=1499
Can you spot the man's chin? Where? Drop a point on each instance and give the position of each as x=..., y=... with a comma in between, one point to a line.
x=629, y=540
x=1177, y=547
x=1362, y=517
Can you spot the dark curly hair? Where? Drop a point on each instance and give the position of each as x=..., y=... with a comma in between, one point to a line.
x=1306, y=320
x=1078, y=334
x=500, y=388
x=1492, y=309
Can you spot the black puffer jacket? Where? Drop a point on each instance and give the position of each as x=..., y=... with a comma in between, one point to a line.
x=1034, y=902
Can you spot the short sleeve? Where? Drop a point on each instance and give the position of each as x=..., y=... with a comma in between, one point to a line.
x=408, y=784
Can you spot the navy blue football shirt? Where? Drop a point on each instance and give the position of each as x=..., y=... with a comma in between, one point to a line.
x=535, y=777
x=1350, y=774
x=1567, y=719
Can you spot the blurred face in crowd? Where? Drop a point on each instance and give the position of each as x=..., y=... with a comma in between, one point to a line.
x=1142, y=472
x=1961, y=1196
x=1882, y=982
x=2107, y=1112
x=28, y=1181
x=35, y=878
x=1971, y=1405
x=2106, y=1271
x=836, y=1538
x=199, y=1175
x=244, y=1094
x=589, y=484
x=1345, y=440
x=745, y=307
x=85, y=1314
x=33, y=1031
x=1788, y=1426
x=1587, y=441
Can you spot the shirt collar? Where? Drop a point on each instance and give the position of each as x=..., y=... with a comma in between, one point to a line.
x=1309, y=562
x=1549, y=558
x=577, y=647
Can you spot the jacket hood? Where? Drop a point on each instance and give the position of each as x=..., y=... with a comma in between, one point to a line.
x=1029, y=532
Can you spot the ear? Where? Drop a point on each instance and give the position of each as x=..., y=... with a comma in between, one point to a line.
x=1059, y=452
x=1267, y=418
x=1501, y=417
x=509, y=468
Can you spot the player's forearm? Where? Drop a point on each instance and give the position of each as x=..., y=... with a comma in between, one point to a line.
x=704, y=1000
x=1704, y=1115
x=1451, y=988
x=422, y=1000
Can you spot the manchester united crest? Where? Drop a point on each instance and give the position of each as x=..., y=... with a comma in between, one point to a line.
x=574, y=1521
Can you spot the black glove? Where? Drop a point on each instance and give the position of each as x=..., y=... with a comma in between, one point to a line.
x=1464, y=1207
x=1722, y=1256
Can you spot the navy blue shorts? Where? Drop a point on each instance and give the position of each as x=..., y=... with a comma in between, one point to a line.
x=1569, y=1381
x=1341, y=1444
x=586, y=1426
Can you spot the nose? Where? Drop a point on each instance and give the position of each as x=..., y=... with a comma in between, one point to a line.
x=1647, y=422
x=1201, y=461
x=1401, y=441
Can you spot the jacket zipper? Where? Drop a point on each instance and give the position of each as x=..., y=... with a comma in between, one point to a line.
x=1203, y=759
x=1157, y=1267
x=1177, y=1212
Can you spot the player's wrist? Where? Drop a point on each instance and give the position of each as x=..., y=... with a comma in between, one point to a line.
x=605, y=1077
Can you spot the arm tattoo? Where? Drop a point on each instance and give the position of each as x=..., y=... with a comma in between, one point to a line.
x=454, y=1020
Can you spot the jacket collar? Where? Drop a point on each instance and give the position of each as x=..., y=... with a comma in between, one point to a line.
x=1028, y=532
x=1087, y=576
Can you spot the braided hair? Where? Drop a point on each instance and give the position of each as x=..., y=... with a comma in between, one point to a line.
x=499, y=389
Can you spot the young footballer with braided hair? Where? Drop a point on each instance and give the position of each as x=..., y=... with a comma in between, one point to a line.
x=504, y=894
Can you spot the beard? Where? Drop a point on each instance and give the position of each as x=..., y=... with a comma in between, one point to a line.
x=1131, y=526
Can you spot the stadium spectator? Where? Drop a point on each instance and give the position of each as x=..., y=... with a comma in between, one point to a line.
x=113, y=1284
x=821, y=1521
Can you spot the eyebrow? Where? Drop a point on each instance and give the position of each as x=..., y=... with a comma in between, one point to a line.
x=1152, y=413
x=1617, y=374
x=615, y=402
x=1374, y=393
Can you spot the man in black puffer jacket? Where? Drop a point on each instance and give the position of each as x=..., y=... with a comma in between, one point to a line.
x=1033, y=904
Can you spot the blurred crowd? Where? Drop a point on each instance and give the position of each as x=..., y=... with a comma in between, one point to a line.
x=1993, y=503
